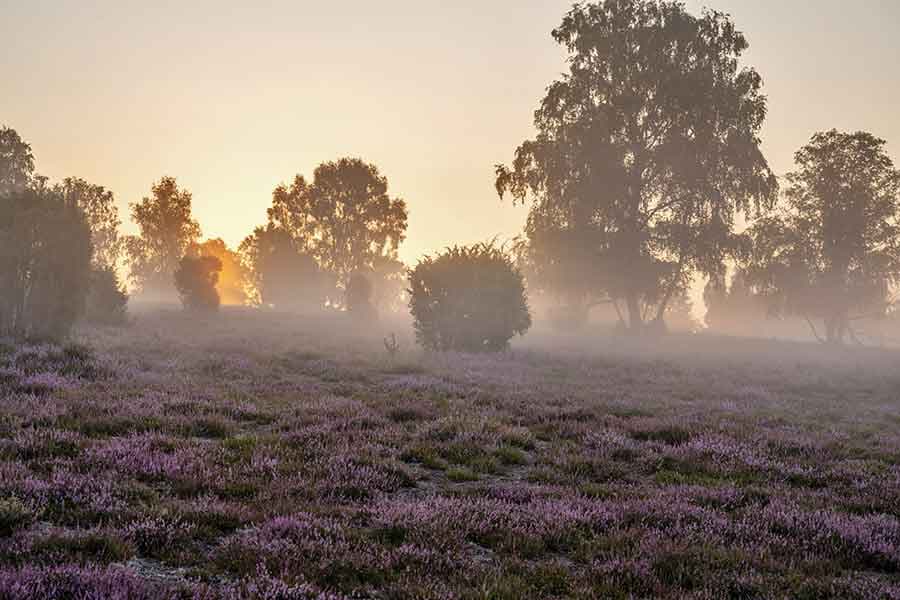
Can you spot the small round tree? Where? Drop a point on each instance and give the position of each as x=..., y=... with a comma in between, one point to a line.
x=196, y=279
x=468, y=298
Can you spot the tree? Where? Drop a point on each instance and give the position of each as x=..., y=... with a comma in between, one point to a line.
x=16, y=162
x=166, y=230
x=389, y=278
x=102, y=214
x=196, y=279
x=234, y=279
x=107, y=302
x=680, y=315
x=45, y=263
x=832, y=251
x=561, y=263
x=735, y=308
x=648, y=147
x=468, y=298
x=284, y=274
x=344, y=218
x=359, y=296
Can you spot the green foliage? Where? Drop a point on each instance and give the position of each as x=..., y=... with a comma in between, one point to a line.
x=645, y=151
x=45, y=262
x=167, y=229
x=468, y=298
x=16, y=162
x=461, y=474
x=102, y=215
x=107, y=301
x=234, y=278
x=832, y=251
x=509, y=455
x=195, y=280
x=83, y=547
x=344, y=217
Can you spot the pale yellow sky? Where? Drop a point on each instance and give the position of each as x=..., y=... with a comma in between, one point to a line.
x=233, y=99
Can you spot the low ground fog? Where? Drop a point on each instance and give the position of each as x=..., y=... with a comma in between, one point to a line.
x=261, y=455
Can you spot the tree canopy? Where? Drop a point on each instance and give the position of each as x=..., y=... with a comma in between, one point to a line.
x=648, y=147
x=283, y=273
x=195, y=279
x=234, y=278
x=345, y=217
x=167, y=228
x=45, y=263
x=16, y=162
x=832, y=250
x=98, y=205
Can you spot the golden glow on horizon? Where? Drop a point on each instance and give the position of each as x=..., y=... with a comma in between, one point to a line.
x=233, y=100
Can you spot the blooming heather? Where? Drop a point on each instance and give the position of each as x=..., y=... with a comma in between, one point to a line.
x=257, y=458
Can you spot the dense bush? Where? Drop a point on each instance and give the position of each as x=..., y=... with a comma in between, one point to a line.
x=196, y=279
x=468, y=298
x=45, y=264
x=107, y=301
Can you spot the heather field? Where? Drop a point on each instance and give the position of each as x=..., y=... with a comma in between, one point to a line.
x=259, y=456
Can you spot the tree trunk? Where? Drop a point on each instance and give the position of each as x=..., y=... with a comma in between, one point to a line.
x=836, y=329
x=635, y=318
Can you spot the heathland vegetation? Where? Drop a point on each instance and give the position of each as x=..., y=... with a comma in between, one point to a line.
x=570, y=425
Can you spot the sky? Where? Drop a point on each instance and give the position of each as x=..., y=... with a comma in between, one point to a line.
x=234, y=98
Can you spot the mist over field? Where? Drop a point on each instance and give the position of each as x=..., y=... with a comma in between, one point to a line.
x=648, y=363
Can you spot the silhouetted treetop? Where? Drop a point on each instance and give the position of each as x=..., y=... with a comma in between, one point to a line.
x=195, y=279
x=167, y=228
x=45, y=263
x=102, y=214
x=832, y=251
x=344, y=217
x=650, y=142
x=234, y=278
x=16, y=162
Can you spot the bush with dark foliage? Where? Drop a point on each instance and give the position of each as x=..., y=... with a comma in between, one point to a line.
x=196, y=279
x=468, y=298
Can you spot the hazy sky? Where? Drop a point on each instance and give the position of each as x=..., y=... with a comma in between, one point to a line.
x=233, y=99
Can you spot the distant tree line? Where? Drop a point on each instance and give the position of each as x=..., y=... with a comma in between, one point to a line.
x=648, y=149
x=58, y=248
x=647, y=156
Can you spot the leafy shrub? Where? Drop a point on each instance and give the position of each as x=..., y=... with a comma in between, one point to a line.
x=45, y=262
x=107, y=302
x=468, y=298
x=196, y=279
